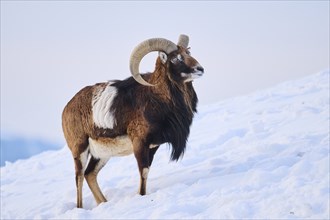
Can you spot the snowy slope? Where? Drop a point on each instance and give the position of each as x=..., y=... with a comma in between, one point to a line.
x=265, y=155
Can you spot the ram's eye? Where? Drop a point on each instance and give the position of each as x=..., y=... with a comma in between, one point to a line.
x=177, y=59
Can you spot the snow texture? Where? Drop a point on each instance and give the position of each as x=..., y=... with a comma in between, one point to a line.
x=265, y=156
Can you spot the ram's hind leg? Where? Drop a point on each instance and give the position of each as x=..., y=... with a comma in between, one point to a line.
x=80, y=160
x=93, y=168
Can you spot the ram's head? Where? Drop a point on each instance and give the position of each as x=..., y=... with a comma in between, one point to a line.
x=175, y=57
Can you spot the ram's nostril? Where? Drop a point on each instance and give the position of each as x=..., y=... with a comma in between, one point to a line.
x=199, y=68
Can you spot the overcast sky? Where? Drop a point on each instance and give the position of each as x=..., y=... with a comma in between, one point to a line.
x=51, y=49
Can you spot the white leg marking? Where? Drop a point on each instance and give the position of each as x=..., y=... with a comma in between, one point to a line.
x=101, y=164
x=101, y=104
x=84, y=159
x=145, y=173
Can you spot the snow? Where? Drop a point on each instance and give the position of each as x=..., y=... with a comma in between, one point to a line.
x=264, y=155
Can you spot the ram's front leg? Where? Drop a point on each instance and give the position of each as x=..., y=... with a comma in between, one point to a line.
x=141, y=152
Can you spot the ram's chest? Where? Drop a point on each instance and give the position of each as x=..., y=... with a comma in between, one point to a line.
x=105, y=148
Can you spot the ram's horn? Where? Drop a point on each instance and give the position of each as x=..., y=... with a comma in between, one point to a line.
x=183, y=41
x=147, y=46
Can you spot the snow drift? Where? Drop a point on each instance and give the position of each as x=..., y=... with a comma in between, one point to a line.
x=265, y=155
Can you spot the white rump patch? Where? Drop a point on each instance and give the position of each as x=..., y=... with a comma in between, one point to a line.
x=101, y=104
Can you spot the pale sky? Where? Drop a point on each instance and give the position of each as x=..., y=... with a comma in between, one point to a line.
x=52, y=49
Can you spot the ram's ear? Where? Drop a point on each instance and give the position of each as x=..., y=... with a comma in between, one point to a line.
x=162, y=56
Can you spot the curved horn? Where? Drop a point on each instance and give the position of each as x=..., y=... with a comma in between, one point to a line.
x=147, y=46
x=183, y=41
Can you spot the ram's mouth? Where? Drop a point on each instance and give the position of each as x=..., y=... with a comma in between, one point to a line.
x=191, y=76
x=195, y=73
x=199, y=73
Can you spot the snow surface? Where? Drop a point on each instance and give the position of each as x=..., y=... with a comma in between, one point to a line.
x=265, y=155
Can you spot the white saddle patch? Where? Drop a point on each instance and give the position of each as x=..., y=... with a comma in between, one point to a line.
x=101, y=104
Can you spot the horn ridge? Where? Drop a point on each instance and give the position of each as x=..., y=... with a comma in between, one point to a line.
x=142, y=49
